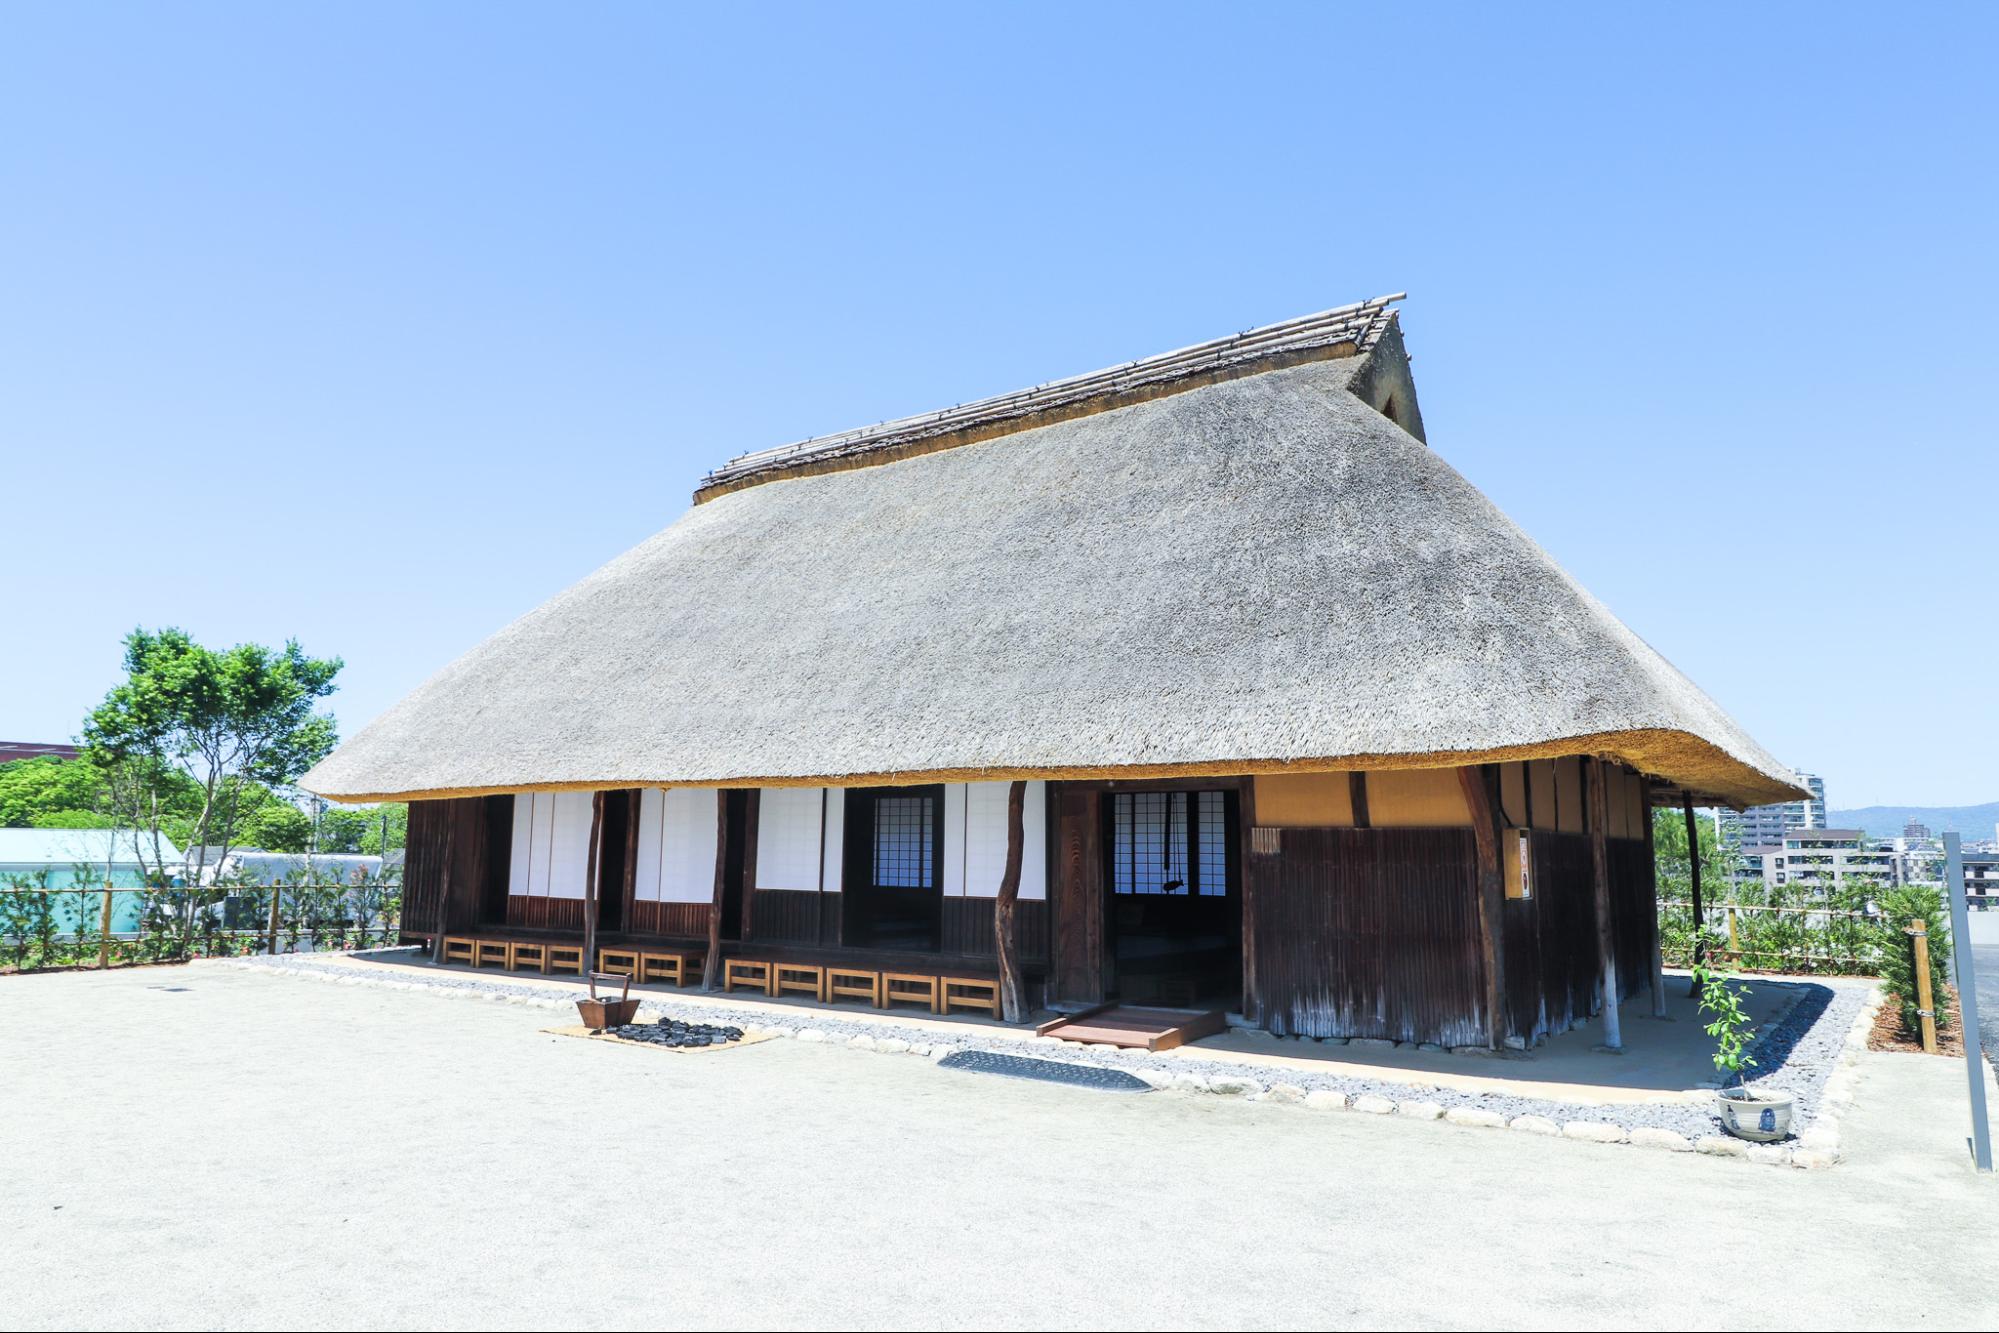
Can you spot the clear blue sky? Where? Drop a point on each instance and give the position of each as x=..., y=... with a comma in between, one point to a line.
x=375, y=325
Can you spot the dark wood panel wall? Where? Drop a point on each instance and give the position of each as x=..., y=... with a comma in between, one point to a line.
x=969, y=927
x=1367, y=933
x=795, y=916
x=1552, y=955
x=1076, y=972
x=455, y=863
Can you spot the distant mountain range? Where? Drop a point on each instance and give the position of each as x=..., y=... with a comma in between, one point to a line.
x=1886, y=821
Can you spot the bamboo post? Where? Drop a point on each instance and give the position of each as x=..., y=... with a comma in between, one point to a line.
x=104, y=929
x=1926, y=1013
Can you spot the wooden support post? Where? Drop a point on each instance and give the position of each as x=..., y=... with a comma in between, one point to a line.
x=275, y=922
x=104, y=929
x=595, y=864
x=711, y=969
x=1926, y=1012
x=1357, y=797
x=746, y=909
x=1652, y=878
x=444, y=886
x=1734, y=946
x=1490, y=885
x=1606, y=936
x=1694, y=880
x=1006, y=940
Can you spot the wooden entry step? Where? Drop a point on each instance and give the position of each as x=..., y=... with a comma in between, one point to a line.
x=1141, y=1029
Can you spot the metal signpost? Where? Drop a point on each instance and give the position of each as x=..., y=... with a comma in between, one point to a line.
x=1967, y=1002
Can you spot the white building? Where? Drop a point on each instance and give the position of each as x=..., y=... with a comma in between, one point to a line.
x=1822, y=859
x=1764, y=826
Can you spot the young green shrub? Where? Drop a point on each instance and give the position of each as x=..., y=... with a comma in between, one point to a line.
x=1728, y=1024
x=1915, y=902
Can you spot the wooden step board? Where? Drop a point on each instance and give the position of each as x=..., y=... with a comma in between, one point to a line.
x=1128, y=1025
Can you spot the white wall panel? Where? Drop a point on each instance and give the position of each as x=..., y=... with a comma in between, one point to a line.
x=985, y=840
x=519, y=860
x=646, y=874
x=954, y=840
x=687, y=851
x=788, y=838
x=836, y=833
x=541, y=825
x=569, y=844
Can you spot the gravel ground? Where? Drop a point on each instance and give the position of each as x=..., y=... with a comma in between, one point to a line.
x=214, y=1147
x=1796, y=1054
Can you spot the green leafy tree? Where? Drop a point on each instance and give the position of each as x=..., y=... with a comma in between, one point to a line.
x=276, y=826
x=232, y=722
x=1915, y=902
x=1728, y=1023
x=45, y=785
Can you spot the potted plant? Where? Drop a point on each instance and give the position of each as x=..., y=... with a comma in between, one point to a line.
x=1747, y=1113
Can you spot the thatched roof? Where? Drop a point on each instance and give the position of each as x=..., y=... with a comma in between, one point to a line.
x=1220, y=561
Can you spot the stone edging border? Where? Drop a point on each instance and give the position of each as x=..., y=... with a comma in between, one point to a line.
x=1816, y=1149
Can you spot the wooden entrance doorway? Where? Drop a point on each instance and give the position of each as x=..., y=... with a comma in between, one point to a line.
x=893, y=888
x=1173, y=927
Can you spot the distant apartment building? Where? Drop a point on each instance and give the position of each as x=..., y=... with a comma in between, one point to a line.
x=1764, y=826
x=1822, y=859
x=1981, y=881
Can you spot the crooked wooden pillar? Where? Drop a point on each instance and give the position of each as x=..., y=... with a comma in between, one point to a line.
x=1694, y=880
x=1491, y=889
x=1652, y=881
x=711, y=967
x=1006, y=939
x=595, y=864
x=1606, y=934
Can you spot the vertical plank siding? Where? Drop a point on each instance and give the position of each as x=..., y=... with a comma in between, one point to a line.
x=1632, y=913
x=674, y=921
x=792, y=916
x=968, y=927
x=455, y=849
x=1077, y=971
x=1551, y=946
x=1369, y=933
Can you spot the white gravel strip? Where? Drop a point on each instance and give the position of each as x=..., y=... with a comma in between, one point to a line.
x=1808, y=1051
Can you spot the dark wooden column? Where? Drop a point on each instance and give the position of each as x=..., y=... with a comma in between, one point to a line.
x=1006, y=939
x=711, y=967
x=595, y=863
x=1606, y=936
x=1076, y=908
x=745, y=909
x=443, y=887
x=1357, y=797
x=1491, y=889
x=1694, y=882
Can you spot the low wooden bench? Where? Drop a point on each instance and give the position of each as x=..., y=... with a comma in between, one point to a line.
x=805, y=977
x=679, y=966
x=750, y=972
x=563, y=958
x=491, y=953
x=461, y=949
x=979, y=993
x=618, y=962
x=911, y=988
x=853, y=983
x=523, y=954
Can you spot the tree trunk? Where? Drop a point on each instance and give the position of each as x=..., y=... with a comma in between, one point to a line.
x=595, y=864
x=711, y=967
x=1694, y=881
x=1013, y=1003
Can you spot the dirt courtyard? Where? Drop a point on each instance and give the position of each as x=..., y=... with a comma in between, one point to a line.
x=208, y=1147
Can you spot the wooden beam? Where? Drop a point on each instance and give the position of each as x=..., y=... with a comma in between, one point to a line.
x=1357, y=797
x=444, y=889
x=1694, y=881
x=1006, y=941
x=752, y=807
x=1247, y=879
x=590, y=877
x=1597, y=815
x=1490, y=886
x=711, y=968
